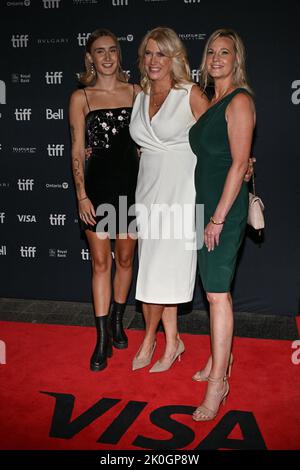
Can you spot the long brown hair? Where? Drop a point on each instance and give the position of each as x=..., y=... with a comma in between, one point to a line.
x=89, y=77
x=239, y=73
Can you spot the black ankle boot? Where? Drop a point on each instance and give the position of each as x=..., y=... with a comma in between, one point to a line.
x=103, y=348
x=120, y=340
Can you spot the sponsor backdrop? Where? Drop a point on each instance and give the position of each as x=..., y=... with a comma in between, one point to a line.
x=42, y=48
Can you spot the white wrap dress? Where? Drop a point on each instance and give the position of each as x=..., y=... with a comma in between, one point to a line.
x=165, y=199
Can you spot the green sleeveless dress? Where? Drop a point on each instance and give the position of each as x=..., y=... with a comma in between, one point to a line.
x=209, y=141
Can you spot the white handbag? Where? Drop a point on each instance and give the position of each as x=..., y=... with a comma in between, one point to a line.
x=256, y=210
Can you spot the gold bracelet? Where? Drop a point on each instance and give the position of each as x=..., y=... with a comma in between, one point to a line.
x=215, y=222
x=82, y=199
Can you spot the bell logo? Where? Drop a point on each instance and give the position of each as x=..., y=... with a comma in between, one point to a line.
x=2, y=92
x=119, y=3
x=59, y=114
x=2, y=217
x=19, y=40
x=55, y=150
x=51, y=3
x=28, y=251
x=82, y=38
x=53, y=78
x=22, y=114
x=25, y=184
x=296, y=95
x=57, y=219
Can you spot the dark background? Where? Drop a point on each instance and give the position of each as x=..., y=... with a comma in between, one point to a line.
x=267, y=279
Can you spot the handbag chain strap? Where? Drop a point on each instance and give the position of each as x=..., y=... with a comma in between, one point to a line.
x=253, y=184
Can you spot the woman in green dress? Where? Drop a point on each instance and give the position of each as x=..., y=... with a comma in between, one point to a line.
x=222, y=140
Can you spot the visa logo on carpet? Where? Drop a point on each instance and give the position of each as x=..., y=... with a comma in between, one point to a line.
x=62, y=427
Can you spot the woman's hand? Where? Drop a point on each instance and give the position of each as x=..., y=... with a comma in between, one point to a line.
x=212, y=235
x=87, y=212
x=88, y=151
x=249, y=172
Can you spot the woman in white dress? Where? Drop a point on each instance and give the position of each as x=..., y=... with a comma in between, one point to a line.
x=169, y=104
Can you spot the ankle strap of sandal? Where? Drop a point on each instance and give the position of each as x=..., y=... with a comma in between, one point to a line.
x=215, y=380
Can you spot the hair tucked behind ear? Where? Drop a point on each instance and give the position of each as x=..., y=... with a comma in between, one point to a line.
x=89, y=77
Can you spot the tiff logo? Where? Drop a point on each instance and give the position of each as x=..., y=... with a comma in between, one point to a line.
x=2, y=92
x=2, y=217
x=57, y=219
x=28, y=251
x=53, y=78
x=82, y=38
x=25, y=184
x=23, y=114
x=85, y=254
x=195, y=75
x=51, y=3
x=59, y=114
x=55, y=150
x=19, y=40
x=2, y=352
x=3, y=250
x=119, y=3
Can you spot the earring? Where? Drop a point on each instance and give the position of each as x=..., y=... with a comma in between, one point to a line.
x=92, y=69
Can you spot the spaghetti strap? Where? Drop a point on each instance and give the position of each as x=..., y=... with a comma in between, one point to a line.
x=133, y=95
x=87, y=101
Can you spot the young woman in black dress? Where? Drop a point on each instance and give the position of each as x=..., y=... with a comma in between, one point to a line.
x=99, y=118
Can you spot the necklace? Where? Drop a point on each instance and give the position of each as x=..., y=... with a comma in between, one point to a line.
x=158, y=105
x=221, y=97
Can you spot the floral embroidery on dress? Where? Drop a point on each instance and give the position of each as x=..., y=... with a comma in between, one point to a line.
x=103, y=125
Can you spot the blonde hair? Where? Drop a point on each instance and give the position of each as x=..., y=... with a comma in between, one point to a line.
x=88, y=78
x=239, y=72
x=171, y=46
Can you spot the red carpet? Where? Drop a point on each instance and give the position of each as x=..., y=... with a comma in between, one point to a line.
x=50, y=400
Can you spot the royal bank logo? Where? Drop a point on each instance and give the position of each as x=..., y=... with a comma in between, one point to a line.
x=20, y=40
x=296, y=94
x=85, y=2
x=28, y=251
x=50, y=114
x=25, y=184
x=82, y=38
x=85, y=254
x=23, y=114
x=27, y=218
x=191, y=1
x=63, y=185
x=57, y=219
x=2, y=217
x=55, y=150
x=20, y=77
x=120, y=3
x=57, y=253
x=51, y=3
x=2, y=92
x=53, y=78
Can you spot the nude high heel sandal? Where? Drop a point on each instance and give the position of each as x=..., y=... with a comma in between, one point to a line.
x=203, y=413
x=201, y=376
